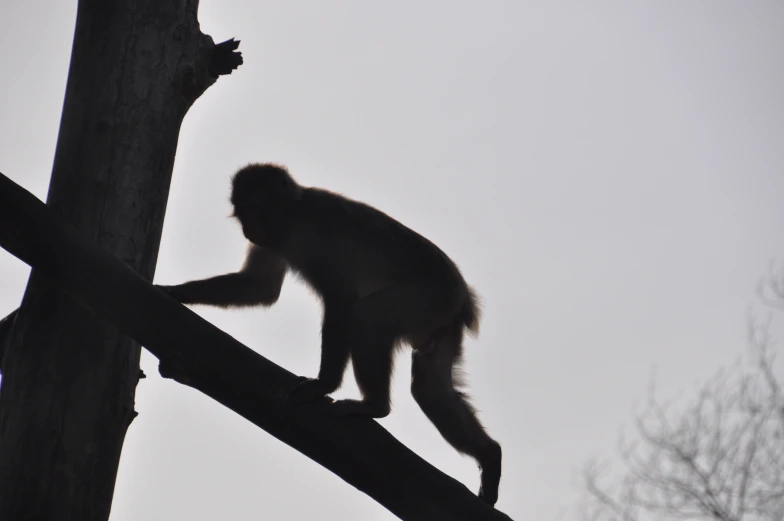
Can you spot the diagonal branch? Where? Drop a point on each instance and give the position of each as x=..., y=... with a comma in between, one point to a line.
x=5, y=333
x=201, y=356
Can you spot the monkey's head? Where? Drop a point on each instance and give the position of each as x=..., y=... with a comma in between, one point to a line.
x=261, y=194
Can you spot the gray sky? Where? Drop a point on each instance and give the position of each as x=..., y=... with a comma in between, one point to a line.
x=608, y=175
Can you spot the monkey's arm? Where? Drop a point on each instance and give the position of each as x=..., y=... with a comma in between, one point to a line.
x=334, y=354
x=258, y=283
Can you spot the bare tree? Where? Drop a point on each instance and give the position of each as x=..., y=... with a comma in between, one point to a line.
x=718, y=457
x=69, y=378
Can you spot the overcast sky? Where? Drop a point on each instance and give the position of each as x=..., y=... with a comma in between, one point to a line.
x=608, y=175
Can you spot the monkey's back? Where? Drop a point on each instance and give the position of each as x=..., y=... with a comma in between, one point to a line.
x=332, y=236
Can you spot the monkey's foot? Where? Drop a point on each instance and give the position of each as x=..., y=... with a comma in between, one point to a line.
x=308, y=390
x=491, y=474
x=358, y=408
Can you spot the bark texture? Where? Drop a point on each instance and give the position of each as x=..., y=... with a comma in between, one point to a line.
x=69, y=376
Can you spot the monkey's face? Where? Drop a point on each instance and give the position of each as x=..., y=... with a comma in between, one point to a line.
x=261, y=196
x=251, y=218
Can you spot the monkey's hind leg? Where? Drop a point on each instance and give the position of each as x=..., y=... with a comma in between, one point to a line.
x=433, y=388
x=375, y=323
x=372, y=363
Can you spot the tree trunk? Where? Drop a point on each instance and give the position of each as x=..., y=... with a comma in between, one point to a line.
x=69, y=377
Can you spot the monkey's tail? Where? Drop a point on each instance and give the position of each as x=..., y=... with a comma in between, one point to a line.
x=471, y=313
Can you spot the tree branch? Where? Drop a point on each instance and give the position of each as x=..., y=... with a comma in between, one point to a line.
x=201, y=356
x=212, y=60
x=6, y=325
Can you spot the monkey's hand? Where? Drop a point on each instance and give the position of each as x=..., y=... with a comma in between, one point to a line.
x=309, y=389
x=174, y=292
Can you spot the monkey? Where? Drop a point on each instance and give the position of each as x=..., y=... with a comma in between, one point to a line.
x=381, y=285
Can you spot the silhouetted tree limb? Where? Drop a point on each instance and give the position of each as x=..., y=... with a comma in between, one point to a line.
x=5, y=332
x=771, y=288
x=199, y=355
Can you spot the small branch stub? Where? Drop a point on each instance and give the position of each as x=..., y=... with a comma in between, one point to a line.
x=213, y=61
x=169, y=368
x=224, y=58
